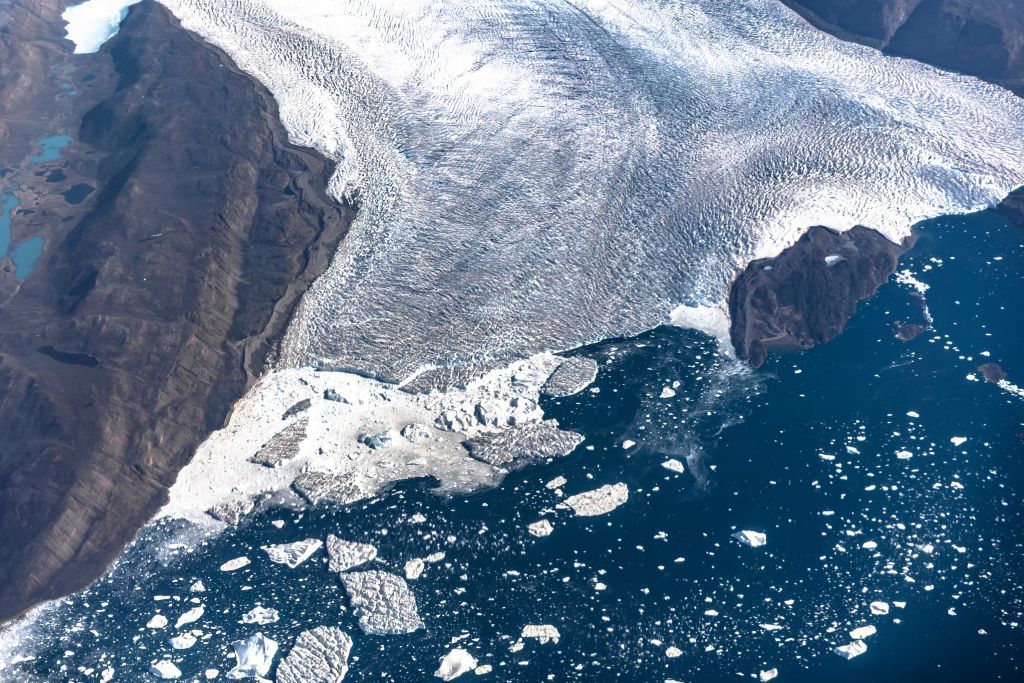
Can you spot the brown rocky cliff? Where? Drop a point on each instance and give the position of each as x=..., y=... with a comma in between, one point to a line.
x=983, y=38
x=151, y=314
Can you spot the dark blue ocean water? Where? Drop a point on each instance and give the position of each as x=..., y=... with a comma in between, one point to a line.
x=946, y=521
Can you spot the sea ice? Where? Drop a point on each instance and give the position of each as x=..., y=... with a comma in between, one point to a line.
x=542, y=633
x=540, y=528
x=318, y=656
x=674, y=465
x=190, y=616
x=383, y=602
x=254, y=656
x=345, y=555
x=454, y=664
x=862, y=632
x=879, y=608
x=597, y=502
x=754, y=539
x=854, y=649
x=165, y=669
x=571, y=377
x=293, y=554
x=260, y=615
x=232, y=565
x=158, y=621
x=414, y=568
x=183, y=642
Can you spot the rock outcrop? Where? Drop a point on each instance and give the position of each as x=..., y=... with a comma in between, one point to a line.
x=983, y=38
x=805, y=296
x=174, y=279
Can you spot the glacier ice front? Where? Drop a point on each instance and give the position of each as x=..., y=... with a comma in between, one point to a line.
x=537, y=175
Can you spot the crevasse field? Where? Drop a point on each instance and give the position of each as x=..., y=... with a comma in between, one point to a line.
x=536, y=175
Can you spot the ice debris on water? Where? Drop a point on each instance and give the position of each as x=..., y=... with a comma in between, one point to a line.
x=318, y=656
x=260, y=615
x=383, y=601
x=454, y=664
x=600, y=501
x=293, y=554
x=254, y=656
x=344, y=555
x=754, y=539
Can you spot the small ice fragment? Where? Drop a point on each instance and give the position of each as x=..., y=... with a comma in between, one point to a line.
x=540, y=528
x=628, y=443
x=869, y=545
x=754, y=539
x=672, y=652
x=414, y=568
x=711, y=613
x=667, y=392
x=158, y=621
x=833, y=259
x=542, y=633
x=879, y=608
x=232, y=565
x=958, y=440
x=771, y=627
x=454, y=664
x=107, y=675
x=674, y=465
x=904, y=454
x=188, y=617
x=899, y=604
x=211, y=674
x=255, y=655
x=854, y=649
x=768, y=675
x=483, y=669
x=197, y=587
x=165, y=669
x=862, y=632
x=911, y=413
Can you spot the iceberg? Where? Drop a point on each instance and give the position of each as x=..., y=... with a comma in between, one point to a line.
x=854, y=649
x=344, y=555
x=190, y=616
x=165, y=669
x=318, y=656
x=754, y=539
x=600, y=501
x=383, y=602
x=293, y=554
x=454, y=664
x=254, y=656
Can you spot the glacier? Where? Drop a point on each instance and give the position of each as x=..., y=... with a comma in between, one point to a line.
x=535, y=175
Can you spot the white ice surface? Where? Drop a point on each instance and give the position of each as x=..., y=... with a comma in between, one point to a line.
x=502, y=149
x=94, y=22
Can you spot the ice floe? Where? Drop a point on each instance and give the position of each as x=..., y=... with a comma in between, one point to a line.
x=454, y=664
x=237, y=563
x=165, y=669
x=260, y=615
x=192, y=615
x=542, y=633
x=383, y=602
x=319, y=655
x=344, y=555
x=540, y=528
x=851, y=650
x=293, y=554
x=754, y=539
x=600, y=501
x=254, y=657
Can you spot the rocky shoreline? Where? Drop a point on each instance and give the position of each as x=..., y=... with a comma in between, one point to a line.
x=158, y=298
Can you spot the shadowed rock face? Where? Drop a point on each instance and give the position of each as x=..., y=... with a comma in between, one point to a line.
x=983, y=38
x=804, y=296
x=174, y=279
